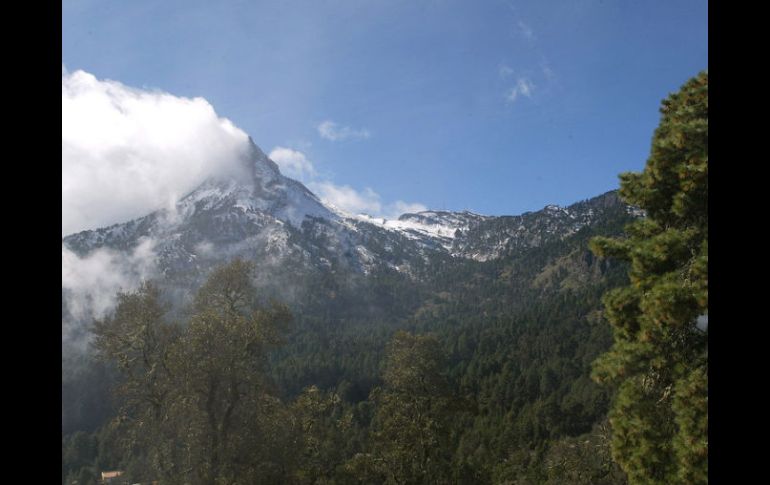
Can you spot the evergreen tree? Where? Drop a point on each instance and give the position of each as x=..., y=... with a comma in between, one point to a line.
x=659, y=358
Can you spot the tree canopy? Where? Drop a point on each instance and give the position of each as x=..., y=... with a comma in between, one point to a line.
x=659, y=359
x=197, y=404
x=414, y=408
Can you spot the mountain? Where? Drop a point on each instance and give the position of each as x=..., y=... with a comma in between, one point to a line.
x=350, y=280
x=261, y=215
x=295, y=240
x=266, y=217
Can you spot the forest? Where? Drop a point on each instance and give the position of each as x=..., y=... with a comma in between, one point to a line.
x=575, y=362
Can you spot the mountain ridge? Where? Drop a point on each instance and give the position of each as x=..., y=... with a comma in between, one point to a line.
x=275, y=222
x=235, y=209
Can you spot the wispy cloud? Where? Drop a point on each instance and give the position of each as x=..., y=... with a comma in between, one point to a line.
x=525, y=30
x=523, y=87
x=526, y=76
x=548, y=72
x=330, y=130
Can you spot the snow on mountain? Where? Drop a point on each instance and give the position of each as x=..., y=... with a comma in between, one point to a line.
x=481, y=238
x=255, y=213
x=264, y=191
x=262, y=214
x=433, y=228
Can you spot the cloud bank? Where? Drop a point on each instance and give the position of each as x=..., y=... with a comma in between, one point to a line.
x=127, y=151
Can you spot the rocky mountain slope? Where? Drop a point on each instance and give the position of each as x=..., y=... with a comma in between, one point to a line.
x=269, y=218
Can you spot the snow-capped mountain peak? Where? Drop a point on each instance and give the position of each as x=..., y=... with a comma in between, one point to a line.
x=256, y=212
x=258, y=189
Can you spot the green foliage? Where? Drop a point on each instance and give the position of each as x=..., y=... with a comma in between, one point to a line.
x=659, y=359
x=414, y=408
x=584, y=460
x=196, y=400
x=325, y=429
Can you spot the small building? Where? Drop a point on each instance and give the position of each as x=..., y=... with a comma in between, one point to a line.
x=111, y=477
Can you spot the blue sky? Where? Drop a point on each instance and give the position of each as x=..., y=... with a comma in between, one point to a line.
x=496, y=106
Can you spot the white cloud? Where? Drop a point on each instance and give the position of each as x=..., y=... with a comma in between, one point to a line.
x=332, y=131
x=127, y=152
x=524, y=87
x=347, y=198
x=293, y=163
x=366, y=201
x=400, y=207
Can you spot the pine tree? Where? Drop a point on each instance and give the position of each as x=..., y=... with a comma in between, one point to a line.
x=659, y=359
